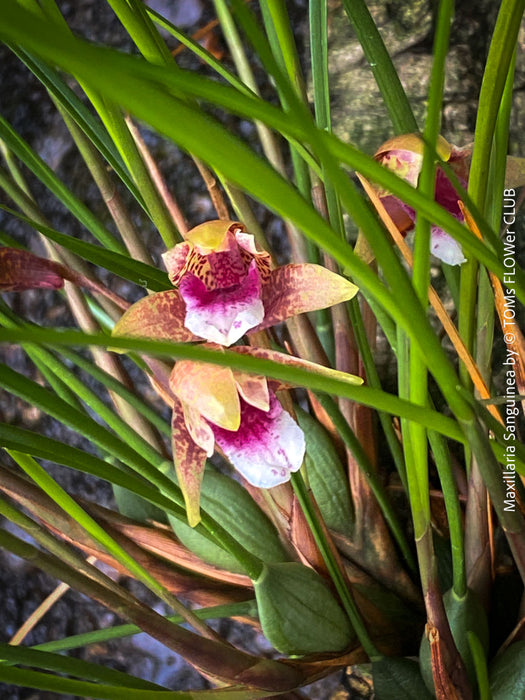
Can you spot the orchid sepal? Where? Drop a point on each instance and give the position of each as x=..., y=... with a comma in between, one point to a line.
x=159, y=316
x=301, y=288
x=404, y=156
x=190, y=461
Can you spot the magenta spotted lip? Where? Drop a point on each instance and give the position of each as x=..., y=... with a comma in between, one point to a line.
x=223, y=315
x=267, y=447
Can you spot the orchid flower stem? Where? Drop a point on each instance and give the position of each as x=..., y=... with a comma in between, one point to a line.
x=115, y=123
x=108, y=190
x=284, y=51
x=334, y=569
x=415, y=375
x=266, y=137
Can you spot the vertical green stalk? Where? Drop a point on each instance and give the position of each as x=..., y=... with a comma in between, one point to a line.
x=113, y=119
x=417, y=372
x=238, y=54
x=478, y=561
x=382, y=67
x=141, y=29
x=280, y=37
x=494, y=78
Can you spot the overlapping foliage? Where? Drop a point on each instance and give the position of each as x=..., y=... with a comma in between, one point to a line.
x=307, y=544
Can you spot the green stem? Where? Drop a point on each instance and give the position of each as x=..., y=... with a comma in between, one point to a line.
x=494, y=78
x=382, y=67
x=139, y=26
x=454, y=512
x=415, y=375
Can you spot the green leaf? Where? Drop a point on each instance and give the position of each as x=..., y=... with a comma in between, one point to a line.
x=44, y=173
x=507, y=674
x=382, y=67
x=326, y=475
x=215, y=612
x=81, y=115
x=298, y=613
x=396, y=678
x=72, y=666
x=293, y=375
x=233, y=508
x=29, y=442
x=134, y=506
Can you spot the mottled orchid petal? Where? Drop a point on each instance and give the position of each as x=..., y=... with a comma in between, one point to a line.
x=176, y=260
x=296, y=289
x=189, y=461
x=208, y=389
x=21, y=270
x=401, y=215
x=253, y=389
x=223, y=315
x=159, y=316
x=199, y=429
x=414, y=143
x=268, y=446
x=263, y=260
x=404, y=155
x=292, y=361
x=405, y=164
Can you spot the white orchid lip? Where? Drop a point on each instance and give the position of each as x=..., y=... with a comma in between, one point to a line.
x=268, y=446
x=446, y=248
x=223, y=315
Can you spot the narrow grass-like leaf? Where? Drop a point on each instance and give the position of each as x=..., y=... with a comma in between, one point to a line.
x=114, y=385
x=44, y=173
x=76, y=641
x=99, y=534
x=367, y=396
x=14, y=438
x=81, y=115
x=382, y=67
x=73, y=667
x=232, y=157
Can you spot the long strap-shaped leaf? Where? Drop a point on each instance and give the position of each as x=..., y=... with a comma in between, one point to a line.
x=294, y=375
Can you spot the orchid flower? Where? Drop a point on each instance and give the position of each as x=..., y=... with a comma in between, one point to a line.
x=404, y=156
x=225, y=288
x=240, y=414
